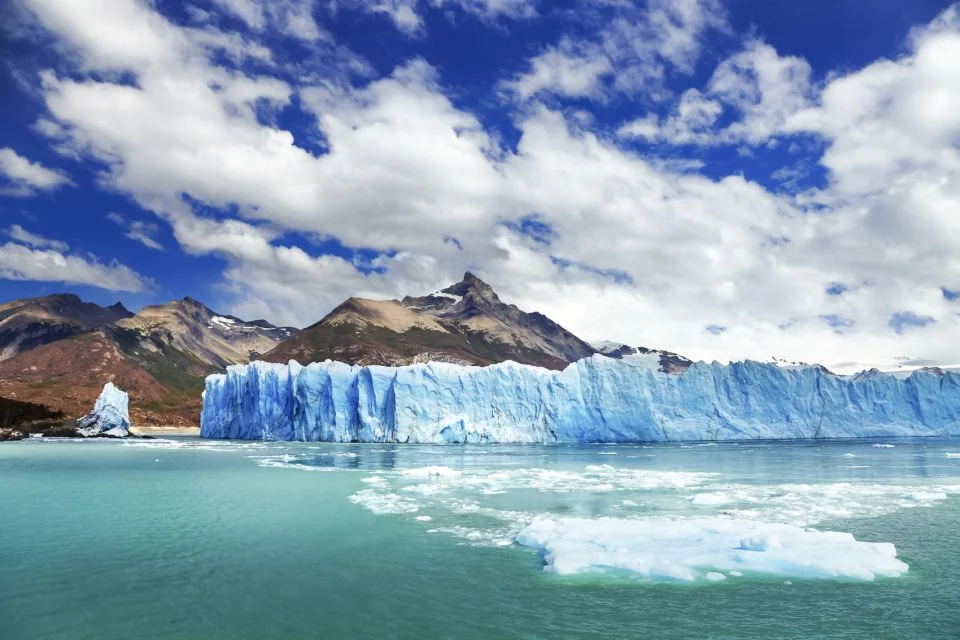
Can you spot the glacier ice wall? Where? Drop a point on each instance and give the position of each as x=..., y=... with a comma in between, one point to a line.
x=110, y=415
x=597, y=399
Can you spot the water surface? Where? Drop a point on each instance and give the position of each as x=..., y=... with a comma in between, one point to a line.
x=184, y=538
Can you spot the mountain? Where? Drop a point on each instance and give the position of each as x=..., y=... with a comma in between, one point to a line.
x=160, y=356
x=32, y=322
x=68, y=375
x=655, y=359
x=466, y=323
x=190, y=327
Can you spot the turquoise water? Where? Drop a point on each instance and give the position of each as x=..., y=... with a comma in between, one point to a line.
x=195, y=539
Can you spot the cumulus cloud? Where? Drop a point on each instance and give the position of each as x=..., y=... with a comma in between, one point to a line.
x=26, y=178
x=629, y=55
x=765, y=89
x=568, y=69
x=692, y=122
x=760, y=90
x=714, y=267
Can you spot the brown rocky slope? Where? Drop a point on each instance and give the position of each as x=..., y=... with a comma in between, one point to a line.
x=32, y=322
x=159, y=356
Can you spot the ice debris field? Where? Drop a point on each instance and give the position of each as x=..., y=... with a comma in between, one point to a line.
x=597, y=399
x=679, y=513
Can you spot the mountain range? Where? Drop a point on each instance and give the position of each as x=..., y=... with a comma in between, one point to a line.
x=57, y=351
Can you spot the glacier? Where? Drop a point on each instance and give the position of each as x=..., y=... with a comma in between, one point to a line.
x=110, y=415
x=597, y=399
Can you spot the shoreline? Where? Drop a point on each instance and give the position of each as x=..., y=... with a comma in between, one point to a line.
x=187, y=432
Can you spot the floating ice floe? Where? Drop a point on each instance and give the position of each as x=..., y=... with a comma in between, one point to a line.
x=705, y=548
x=459, y=499
x=430, y=472
x=711, y=499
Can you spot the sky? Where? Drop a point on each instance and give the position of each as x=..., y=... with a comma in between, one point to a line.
x=724, y=179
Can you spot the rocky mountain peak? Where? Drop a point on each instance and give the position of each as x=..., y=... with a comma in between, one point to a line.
x=465, y=323
x=120, y=310
x=61, y=299
x=190, y=302
x=472, y=285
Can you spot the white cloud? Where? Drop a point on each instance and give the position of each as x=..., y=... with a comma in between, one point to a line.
x=659, y=252
x=291, y=17
x=249, y=11
x=492, y=9
x=565, y=69
x=647, y=128
x=408, y=15
x=26, y=178
x=403, y=13
x=894, y=123
x=630, y=55
x=761, y=89
x=18, y=262
x=138, y=230
x=764, y=87
x=692, y=122
x=36, y=241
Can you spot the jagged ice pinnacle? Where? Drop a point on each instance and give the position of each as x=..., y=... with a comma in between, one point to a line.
x=110, y=414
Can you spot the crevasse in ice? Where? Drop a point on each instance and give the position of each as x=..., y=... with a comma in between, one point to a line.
x=597, y=399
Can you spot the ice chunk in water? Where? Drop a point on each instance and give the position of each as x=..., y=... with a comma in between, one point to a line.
x=667, y=549
x=110, y=415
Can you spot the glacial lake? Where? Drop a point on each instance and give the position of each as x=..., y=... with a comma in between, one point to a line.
x=187, y=538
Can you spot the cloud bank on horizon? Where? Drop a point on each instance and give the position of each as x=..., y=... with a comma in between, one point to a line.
x=679, y=174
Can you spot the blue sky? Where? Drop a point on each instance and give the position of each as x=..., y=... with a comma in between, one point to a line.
x=723, y=179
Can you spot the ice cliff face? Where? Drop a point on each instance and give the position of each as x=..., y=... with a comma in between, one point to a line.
x=110, y=415
x=594, y=400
